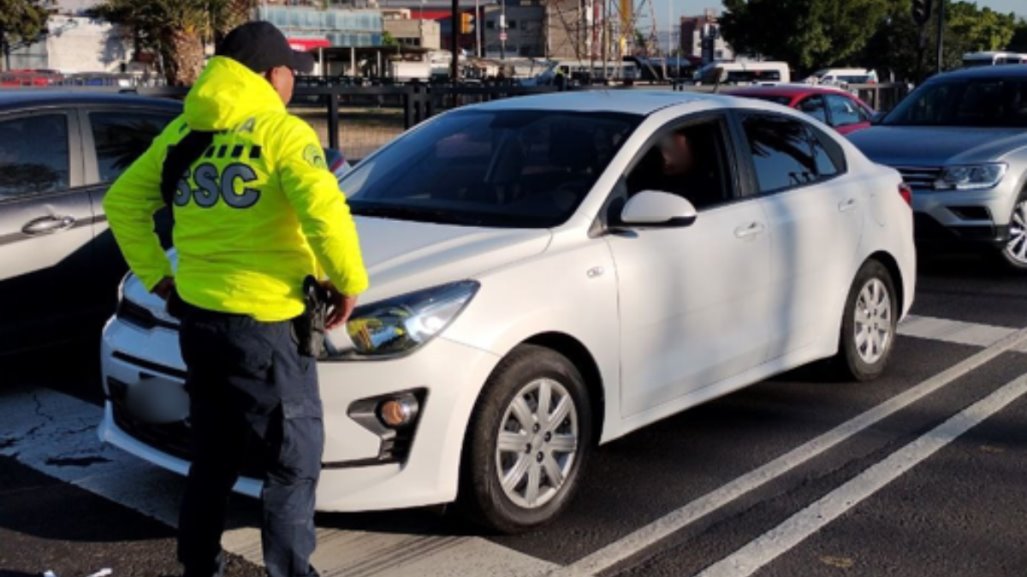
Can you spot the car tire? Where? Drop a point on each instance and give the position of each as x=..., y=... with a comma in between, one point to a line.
x=1014, y=252
x=868, y=325
x=541, y=459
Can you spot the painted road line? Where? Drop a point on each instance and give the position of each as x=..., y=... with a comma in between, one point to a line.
x=676, y=520
x=800, y=526
x=951, y=331
x=56, y=434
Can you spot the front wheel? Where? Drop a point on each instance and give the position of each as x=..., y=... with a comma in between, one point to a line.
x=527, y=442
x=868, y=325
x=1015, y=252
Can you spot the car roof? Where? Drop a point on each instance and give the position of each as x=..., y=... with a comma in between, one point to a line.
x=985, y=72
x=785, y=90
x=29, y=98
x=642, y=102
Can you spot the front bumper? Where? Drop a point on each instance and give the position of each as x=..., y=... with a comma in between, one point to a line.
x=960, y=217
x=354, y=477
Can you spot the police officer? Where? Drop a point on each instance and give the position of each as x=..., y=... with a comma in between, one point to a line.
x=255, y=213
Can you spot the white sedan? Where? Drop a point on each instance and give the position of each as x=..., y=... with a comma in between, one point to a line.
x=552, y=272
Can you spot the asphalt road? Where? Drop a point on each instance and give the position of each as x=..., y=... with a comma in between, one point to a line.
x=920, y=473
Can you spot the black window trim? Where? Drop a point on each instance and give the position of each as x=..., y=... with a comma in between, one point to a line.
x=827, y=110
x=751, y=165
x=76, y=161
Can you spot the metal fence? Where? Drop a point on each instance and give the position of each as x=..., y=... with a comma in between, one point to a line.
x=360, y=119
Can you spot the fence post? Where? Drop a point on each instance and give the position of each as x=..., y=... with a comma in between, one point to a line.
x=409, y=94
x=333, y=118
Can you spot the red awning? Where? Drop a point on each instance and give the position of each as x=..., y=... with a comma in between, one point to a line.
x=308, y=43
x=418, y=14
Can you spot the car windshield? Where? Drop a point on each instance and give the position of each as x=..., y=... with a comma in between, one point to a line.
x=508, y=168
x=985, y=102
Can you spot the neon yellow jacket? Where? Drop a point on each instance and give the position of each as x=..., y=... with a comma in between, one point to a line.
x=257, y=213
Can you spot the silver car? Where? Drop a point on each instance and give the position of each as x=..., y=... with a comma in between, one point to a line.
x=960, y=142
x=59, y=151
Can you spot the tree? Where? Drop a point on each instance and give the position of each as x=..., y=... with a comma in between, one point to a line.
x=806, y=33
x=176, y=30
x=20, y=20
x=970, y=29
x=896, y=44
x=1019, y=41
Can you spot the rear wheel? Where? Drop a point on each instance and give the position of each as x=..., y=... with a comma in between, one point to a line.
x=528, y=440
x=869, y=324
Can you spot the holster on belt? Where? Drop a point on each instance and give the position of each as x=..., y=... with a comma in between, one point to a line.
x=309, y=327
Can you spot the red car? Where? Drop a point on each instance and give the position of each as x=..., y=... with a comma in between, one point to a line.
x=832, y=106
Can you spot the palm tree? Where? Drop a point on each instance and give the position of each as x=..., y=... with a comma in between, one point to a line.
x=176, y=30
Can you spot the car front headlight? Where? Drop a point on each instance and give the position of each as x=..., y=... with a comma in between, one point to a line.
x=971, y=177
x=402, y=324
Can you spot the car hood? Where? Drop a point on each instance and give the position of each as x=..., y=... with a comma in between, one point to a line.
x=404, y=256
x=936, y=145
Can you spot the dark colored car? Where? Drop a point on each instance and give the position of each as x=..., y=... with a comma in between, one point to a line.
x=832, y=106
x=59, y=151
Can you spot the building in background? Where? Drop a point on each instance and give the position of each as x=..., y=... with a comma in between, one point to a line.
x=417, y=33
x=75, y=44
x=699, y=33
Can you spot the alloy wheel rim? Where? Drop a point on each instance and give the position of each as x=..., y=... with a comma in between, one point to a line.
x=873, y=327
x=537, y=443
x=1016, y=248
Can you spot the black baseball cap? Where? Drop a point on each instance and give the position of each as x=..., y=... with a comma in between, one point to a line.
x=260, y=46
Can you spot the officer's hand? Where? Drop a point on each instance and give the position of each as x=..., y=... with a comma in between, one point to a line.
x=164, y=288
x=340, y=307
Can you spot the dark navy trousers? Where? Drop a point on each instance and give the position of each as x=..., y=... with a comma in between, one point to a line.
x=252, y=397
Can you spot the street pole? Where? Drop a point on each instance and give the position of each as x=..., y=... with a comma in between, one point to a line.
x=941, y=34
x=502, y=29
x=453, y=39
x=477, y=28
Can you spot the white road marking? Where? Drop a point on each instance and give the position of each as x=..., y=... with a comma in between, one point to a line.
x=951, y=331
x=680, y=518
x=800, y=526
x=56, y=435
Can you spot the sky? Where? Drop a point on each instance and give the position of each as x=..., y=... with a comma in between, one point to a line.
x=695, y=8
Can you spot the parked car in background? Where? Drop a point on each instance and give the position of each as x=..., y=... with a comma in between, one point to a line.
x=743, y=72
x=59, y=151
x=835, y=107
x=842, y=76
x=972, y=59
x=960, y=142
x=543, y=279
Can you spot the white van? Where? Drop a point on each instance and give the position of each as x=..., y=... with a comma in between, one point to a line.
x=971, y=59
x=843, y=76
x=744, y=73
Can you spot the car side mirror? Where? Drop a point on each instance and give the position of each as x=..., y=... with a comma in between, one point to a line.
x=877, y=118
x=660, y=209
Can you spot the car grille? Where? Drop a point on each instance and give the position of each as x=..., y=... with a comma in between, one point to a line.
x=920, y=177
x=141, y=316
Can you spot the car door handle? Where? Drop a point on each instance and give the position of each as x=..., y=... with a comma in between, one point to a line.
x=48, y=225
x=749, y=230
x=847, y=205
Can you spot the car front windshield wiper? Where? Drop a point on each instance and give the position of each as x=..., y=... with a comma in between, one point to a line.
x=415, y=213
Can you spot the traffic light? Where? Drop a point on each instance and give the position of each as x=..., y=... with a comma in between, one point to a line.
x=922, y=11
x=466, y=23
